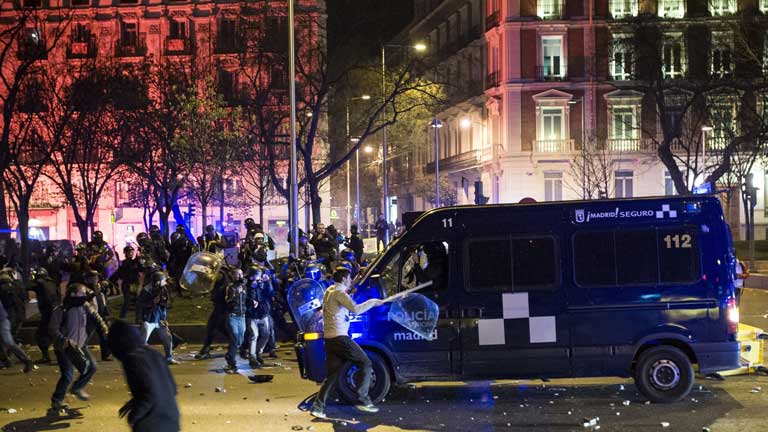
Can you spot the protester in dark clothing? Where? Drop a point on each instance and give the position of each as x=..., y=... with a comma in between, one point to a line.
x=48, y=297
x=8, y=343
x=217, y=320
x=355, y=242
x=154, y=306
x=153, y=406
x=381, y=233
x=260, y=294
x=236, y=299
x=69, y=333
x=100, y=303
x=128, y=276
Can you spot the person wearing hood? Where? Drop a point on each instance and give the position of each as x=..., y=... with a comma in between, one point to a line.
x=69, y=334
x=153, y=406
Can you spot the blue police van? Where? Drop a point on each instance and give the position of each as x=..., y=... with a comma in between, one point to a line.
x=639, y=288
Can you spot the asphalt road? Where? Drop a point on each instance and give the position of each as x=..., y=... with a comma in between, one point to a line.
x=736, y=404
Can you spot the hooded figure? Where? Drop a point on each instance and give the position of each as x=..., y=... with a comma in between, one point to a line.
x=153, y=405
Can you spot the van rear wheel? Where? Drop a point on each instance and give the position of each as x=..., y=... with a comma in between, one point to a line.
x=664, y=374
x=381, y=380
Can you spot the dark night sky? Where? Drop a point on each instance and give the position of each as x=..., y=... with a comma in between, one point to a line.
x=365, y=24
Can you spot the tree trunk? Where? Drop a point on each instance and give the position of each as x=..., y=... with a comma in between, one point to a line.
x=82, y=227
x=221, y=202
x=5, y=229
x=261, y=212
x=22, y=214
x=204, y=210
x=315, y=200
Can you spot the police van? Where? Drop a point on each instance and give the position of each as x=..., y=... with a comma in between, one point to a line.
x=639, y=288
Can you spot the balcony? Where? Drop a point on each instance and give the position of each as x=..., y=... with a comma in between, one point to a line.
x=553, y=146
x=492, y=152
x=625, y=145
x=459, y=162
x=492, y=20
x=82, y=49
x=134, y=48
x=492, y=80
x=178, y=46
x=550, y=73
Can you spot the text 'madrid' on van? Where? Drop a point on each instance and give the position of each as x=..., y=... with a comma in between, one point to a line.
x=639, y=288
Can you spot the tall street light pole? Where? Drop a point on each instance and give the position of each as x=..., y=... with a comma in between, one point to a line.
x=418, y=47
x=294, y=217
x=349, y=139
x=436, y=124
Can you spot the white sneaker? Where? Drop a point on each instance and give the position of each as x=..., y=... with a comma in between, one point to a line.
x=369, y=408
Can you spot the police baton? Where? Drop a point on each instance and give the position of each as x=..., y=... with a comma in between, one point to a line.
x=408, y=291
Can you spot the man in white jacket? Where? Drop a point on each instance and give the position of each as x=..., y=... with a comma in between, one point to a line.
x=339, y=347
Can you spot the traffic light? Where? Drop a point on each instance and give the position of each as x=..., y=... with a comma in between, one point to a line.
x=191, y=210
x=479, y=198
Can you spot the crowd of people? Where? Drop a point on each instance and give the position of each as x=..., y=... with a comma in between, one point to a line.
x=248, y=298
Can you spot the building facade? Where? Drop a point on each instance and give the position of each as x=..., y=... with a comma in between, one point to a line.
x=216, y=33
x=560, y=99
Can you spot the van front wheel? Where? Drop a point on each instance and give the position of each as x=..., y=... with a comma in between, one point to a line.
x=381, y=380
x=664, y=374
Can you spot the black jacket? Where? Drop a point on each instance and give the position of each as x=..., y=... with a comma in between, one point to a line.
x=153, y=407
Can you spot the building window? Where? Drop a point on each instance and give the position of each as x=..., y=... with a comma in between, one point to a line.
x=623, y=123
x=621, y=58
x=764, y=6
x=551, y=124
x=623, y=184
x=722, y=115
x=549, y=9
x=178, y=29
x=722, y=7
x=81, y=33
x=623, y=8
x=551, y=57
x=553, y=186
x=672, y=8
x=673, y=56
x=722, y=55
x=669, y=185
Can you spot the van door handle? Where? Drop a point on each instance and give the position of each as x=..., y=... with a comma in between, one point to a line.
x=473, y=312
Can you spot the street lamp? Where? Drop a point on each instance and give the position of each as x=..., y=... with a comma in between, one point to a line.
x=294, y=216
x=436, y=124
x=357, y=165
x=368, y=149
x=419, y=47
x=583, y=148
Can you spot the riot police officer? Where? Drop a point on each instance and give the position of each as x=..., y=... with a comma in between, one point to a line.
x=181, y=248
x=48, y=297
x=211, y=241
x=99, y=253
x=128, y=276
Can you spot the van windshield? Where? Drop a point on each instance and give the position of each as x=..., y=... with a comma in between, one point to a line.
x=376, y=261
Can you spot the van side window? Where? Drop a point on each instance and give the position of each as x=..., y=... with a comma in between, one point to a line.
x=594, y=258
x=426, y=262
x=517, y=264
x=390, y=275
x=636, y=257
x=678, y=254
x=488, y=265
x=534, y=263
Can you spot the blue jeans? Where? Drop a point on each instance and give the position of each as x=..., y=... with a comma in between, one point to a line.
x=260, y=330
x=236, y=328
x=68, y=374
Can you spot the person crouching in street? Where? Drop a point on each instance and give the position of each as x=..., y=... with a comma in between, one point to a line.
x=260, y=293
x=339, y=347
x=69, y=333
x=153, y=406
x=236, y=299
x=154, y=300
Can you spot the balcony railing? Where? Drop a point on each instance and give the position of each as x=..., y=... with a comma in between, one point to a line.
x=83, y=48
x=456, y=162
x=229, y=46
x=491, y=152
x=553, y=146
x=136, y=48
x=550, y=73
x=178, y=46
x=492, y=20
x=624, y=144
x=492, y=80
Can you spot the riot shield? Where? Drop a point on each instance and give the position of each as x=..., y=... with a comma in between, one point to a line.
x=199, y=274
x=305, y=298
x=417, y=313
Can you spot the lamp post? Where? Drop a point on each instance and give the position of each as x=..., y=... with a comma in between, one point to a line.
x=357, y=164
x=417, y=47
x=436, y=125
x=583, y=148
x=294, y=216
x=704, y=130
